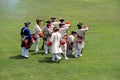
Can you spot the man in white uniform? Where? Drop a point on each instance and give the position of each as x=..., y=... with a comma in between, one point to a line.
x=63, y=46
x=54, y=49
x=63, y=29
x=53, y=21
x=47, y=31
x=71, y=43
x=36, y=31
x=80, y=39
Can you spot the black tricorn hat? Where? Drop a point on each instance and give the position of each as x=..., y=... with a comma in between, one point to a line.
x=48, y=21
x=80, y=24
x=55, y=28
x=61, y=24
x=38, y=20
x=27, y=23
x=53, y=18
x=73, y=32
x=61, y=20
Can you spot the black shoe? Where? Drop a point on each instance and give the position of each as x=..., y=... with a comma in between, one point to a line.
x=22, y=56
x=26, y=57
x=59, y=61
x=42, y=54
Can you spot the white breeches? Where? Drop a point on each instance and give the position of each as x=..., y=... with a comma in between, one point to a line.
x=45, y=47
x=65, y=55
x=83, y=44
x=56, y=56
x=37, y=44
x=24, y=52
x=78, y=49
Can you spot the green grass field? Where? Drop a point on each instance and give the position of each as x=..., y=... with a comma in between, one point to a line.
x=101, y=59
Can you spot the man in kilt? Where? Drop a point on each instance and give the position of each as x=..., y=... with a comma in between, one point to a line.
x=26, y=40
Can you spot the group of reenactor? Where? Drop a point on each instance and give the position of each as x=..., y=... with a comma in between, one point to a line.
x=55, y=38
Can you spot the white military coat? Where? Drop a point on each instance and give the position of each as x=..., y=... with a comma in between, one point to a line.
x=63, y=31
x=81, y=33
x=55, y=39
x=37, y=30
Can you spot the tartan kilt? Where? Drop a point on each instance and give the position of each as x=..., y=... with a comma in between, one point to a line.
x=26, y=43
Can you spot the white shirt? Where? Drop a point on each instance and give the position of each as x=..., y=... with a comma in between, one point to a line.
x=63, y=30
x=81, y=32
x=37, y=30
x=55, y=24
x=71, y=38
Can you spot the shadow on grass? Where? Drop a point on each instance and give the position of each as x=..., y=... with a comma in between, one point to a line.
x=34, y=50
x=31, y=50
x=70, y=56
x=17, y=57
x=46, y=60
x=37, y=53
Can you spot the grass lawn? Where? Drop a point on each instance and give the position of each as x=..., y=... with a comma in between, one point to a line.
x=101, y=59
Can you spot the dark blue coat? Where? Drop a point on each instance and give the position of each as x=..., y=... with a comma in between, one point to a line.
x=26, y=32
